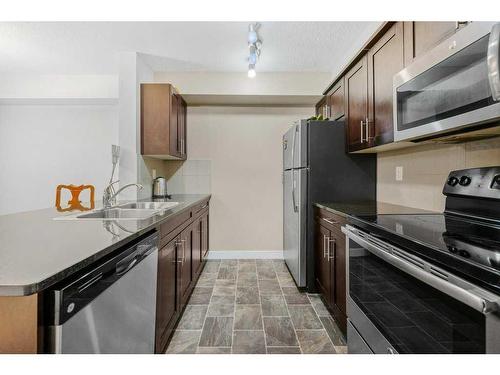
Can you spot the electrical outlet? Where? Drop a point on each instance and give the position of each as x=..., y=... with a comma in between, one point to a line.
x=399, y=173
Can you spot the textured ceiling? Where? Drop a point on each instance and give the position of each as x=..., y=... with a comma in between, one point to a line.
x=90, y=47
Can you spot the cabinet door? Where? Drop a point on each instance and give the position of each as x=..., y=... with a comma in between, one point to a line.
x=356, y=105
x=338, y=264
x=155, y=119
x=185, y=259
x=196, y=247
x=322, y=264
x=336, y=100
x=182, y=127
x=174, y=126
x=204, y=235
x=167, y=304
x=420, y=36
x=385, y=59
x=322, y=108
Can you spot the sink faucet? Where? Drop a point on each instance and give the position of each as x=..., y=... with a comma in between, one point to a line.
x=109, y=196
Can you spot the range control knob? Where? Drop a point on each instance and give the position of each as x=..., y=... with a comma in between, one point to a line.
x=452, y=181
x=496, y=182
x=465, y=180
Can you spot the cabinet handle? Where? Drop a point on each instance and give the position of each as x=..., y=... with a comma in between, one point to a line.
x=177, y=244
x=331, y=222
x=367, y=130
x=183, y=249
x=330, y=256
x=326, y=246
x=361, y=130
x=182, y=146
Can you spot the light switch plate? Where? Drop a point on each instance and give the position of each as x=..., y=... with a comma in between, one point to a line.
x=399, y=173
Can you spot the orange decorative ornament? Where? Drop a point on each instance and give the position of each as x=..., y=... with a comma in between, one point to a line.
x=74, y=203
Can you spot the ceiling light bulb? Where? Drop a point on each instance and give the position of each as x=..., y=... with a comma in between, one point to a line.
x=251, y=72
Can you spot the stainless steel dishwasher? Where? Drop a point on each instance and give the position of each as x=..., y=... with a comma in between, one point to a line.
x=111, y=308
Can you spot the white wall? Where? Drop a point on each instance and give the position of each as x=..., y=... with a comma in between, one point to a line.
x=426, y=168
x=64, y=88
x=206, y=83
x=42, y=146
x=132, y=167
x=244, y=154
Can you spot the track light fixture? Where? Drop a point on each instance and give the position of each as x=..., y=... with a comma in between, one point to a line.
x=254, y=47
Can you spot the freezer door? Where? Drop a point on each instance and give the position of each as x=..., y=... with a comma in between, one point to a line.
x=295, y=146
x=294, y=223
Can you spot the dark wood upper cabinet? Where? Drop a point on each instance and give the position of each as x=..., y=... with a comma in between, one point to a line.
x=322, y=107
x=385, y=59
x=174, y=139
x=167, y=305
x=336, y=100
x=163, y=122
x=182, y=125
x=356, y=105
x=421, y=36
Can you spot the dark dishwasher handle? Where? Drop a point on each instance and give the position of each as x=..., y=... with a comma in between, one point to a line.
x=123, y=269
x=124, y=266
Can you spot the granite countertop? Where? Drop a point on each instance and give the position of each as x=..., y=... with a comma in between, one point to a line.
x=368, y=208
x=37, y=251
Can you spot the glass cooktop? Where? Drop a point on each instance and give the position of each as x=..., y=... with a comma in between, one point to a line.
x=474, y=242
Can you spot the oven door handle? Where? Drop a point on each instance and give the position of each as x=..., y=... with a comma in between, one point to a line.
x=479, y=299
x=493, y=62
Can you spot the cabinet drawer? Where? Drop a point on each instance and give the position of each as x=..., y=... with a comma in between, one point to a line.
x=201, y=206
x=330, y=220
x=174, y=222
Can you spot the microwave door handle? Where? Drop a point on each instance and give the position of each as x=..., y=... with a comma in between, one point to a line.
x=480, y=301
x=493, y=61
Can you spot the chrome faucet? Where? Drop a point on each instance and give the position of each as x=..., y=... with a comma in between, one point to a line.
x=109, y=196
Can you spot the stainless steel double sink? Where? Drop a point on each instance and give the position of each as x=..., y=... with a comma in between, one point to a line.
x=127, y=211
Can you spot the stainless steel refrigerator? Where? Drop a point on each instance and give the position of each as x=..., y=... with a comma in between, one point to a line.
x=316, y=168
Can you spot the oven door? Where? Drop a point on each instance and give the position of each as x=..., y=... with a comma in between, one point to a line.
x=399, y=303
x=454, y=85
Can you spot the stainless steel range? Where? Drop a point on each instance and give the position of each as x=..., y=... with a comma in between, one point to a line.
x=429, y=283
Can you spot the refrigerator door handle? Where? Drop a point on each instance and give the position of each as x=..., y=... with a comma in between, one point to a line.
x=294, y=184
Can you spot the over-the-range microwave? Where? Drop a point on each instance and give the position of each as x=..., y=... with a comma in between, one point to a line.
x=454, y=86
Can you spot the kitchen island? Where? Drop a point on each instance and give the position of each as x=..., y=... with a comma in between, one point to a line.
x=44, y=247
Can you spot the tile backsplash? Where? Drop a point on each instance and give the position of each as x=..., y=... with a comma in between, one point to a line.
x=191, y=177
x=425, y=169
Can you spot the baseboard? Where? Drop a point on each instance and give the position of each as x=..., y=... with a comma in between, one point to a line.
x=245, y=254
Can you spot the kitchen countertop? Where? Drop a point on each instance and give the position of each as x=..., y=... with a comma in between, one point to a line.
x=37, y=251
x=367, y=208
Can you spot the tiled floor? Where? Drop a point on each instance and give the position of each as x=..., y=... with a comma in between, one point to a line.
x=254, y=307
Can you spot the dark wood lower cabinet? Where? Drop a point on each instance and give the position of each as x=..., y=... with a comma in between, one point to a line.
x=330, y=264
x=167, y=306
x=180, y=262
x=338, y=292
x=185, y=263
x=322, y=265
x=204, y=234
x=197, y=256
